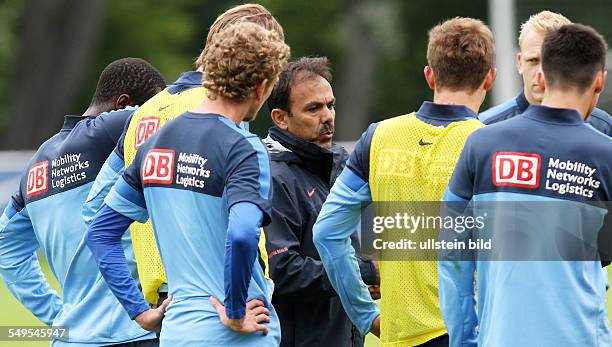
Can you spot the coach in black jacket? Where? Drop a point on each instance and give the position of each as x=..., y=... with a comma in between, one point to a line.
x=305, y=165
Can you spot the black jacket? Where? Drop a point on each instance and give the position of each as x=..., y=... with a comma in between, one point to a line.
x=309, y=309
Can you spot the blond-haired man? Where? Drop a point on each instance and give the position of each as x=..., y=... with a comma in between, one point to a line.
x=407, y=158
x=184, y=94
x=216, y=177
x=528, y=63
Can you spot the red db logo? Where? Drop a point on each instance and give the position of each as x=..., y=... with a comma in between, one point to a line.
x=146, y=127
x=38, y=178
x=158, y=166
x=516, y=169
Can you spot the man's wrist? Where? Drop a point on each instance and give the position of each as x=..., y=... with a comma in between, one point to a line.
x=142, y=307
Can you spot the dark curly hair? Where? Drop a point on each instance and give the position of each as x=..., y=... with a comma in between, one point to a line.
x=132, y=76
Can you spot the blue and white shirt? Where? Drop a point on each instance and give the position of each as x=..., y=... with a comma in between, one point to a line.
x=546, y=157
x=205, y=184
x=46, y=213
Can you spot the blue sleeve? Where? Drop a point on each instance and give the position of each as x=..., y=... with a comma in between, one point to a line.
x=114, y=122
x=111, y=171
x=461, y=182
x=104, y=240
x=359, y=161
x=241, y=247
x=455, y=276
x=332, y=231
x=127, y=200
x=19, y=265
x=248, y=176
x=127, y=195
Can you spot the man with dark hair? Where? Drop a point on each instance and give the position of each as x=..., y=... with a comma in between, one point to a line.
x=546, y=157
x=184, y=94
x=45, y=213
x=529, y=58
x=137, y=80
x=407, y=158
x=305, y=164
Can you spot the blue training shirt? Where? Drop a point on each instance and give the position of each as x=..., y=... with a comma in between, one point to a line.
x=205, y=184
x=546, y=157
x=45, y=213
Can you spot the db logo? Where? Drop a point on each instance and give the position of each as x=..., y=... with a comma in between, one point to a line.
x=158, y=166
x=516, y=169
x=38, y=179
x=146, y=127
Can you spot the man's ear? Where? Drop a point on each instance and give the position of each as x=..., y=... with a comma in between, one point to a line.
x=490, y=79
x=600, y=81
x=261, y=91
x=279, y=118
x=430, y=77
x=519, y=63
x=122, y=101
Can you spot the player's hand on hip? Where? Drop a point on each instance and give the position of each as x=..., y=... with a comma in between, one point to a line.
x=374, y=292
x=256, y=314
x=375, y=330
x=151, y=319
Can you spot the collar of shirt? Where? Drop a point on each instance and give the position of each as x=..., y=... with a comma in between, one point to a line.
x=554, y=115
x=189, y=78
x=521, y=102
x=435, y=113
x=318, y=159
x=71, y=120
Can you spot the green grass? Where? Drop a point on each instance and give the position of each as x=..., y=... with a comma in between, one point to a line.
x=14, y=314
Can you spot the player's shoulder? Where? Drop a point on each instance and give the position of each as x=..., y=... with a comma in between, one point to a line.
x=503, y=111
x=601, y=120
x=115, y=119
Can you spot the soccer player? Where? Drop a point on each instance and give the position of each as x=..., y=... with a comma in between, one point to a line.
x=528, y=63
x=538, y=303
x=460, y=57
x=305, y=164
x=184, y=94
x=205, y=184
x=45, y=213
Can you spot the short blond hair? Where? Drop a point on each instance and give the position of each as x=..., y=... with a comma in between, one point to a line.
x=543, y=23
x=239, y=58
x=254, y=13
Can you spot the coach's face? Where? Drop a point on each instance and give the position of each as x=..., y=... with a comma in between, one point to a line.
x=529, y=60
x=312, y=110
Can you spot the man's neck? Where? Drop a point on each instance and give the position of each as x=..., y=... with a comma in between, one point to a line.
x=567, y=99
x=236, y=112
x=471, y=101
x=95, y=111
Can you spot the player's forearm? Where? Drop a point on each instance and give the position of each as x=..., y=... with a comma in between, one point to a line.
x=457, y=303
x=240, y=254
x=338, y=219
x=104, y=240
x=19, y=267
x=111, y=171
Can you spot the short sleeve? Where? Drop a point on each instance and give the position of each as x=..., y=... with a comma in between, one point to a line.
x=359, y=160
x=462, y=181
x=248, y=176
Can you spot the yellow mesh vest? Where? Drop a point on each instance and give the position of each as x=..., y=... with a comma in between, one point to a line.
x=146, y=120
x=403, y=170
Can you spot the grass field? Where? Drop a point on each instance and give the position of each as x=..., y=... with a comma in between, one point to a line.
x=12, y=313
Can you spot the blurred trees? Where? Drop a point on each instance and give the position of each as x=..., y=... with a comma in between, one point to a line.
x=52, y=51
